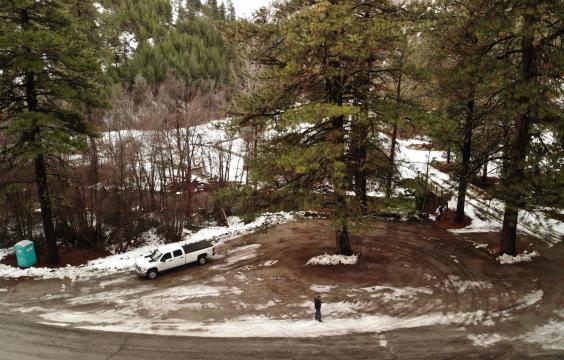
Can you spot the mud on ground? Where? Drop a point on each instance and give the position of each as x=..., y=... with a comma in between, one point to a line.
x=405, y=271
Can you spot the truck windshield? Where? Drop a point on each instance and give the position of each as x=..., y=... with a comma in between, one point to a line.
x=155, y=255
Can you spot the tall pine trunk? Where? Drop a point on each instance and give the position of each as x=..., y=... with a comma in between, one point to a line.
x=359, y=154
x=391, y=166
x=95, y=164
x=95, y=168
x=39, y=161
x=515, y=173
x=46, y=213
x=465, y=164
x=343, y=245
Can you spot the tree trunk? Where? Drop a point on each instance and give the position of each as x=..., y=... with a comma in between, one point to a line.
x=509, y=230
x=513, y=181
x=46, y=214
x=359, y=154
x=39, y=161
x=94, y=163
x=95, y=168
x=390, y=174
x=465, y=165
x=485, y=173
x=391, y=166
x=342, y=237
x=343, y=246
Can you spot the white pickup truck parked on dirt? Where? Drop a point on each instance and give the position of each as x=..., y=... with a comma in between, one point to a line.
x=171, y=256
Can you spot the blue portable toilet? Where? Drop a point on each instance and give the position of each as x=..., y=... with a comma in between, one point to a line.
x=25, y=253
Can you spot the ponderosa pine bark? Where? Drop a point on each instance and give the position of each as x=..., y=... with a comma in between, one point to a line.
x=46, y=212
x=390, y=174
x=343, y=245
x=465, y=164
x=338, y=171
x=359, y=155
x=515, y=172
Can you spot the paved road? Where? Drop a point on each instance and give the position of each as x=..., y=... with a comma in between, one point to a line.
x=35, y=341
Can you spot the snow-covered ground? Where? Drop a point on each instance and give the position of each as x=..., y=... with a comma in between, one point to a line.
x=549, y=335
x=137, y=312
x=126, y=261
x=262, y=326
x=216, y=151
x=486, y=214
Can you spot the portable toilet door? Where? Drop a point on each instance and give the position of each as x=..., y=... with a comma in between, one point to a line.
x=25, y=253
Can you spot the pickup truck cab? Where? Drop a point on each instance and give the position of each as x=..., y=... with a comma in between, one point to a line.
x=171, y=256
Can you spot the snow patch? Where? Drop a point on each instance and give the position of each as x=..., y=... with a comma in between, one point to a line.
x=218, y=279
x=389, y=293
x=520, y=258
x=322, y=288
x=270, y=263
x=270, y=303
x=238, y=254
x=485, y=340
x=180, y=293
x=550, y=335
x=326, y=259
x=530, y=299
x=462, y=285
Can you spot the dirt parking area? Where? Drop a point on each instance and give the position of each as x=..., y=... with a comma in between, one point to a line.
x=408, y=276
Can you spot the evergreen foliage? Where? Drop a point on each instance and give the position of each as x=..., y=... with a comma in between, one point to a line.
x=157, y=44
x=498, y=70
x=322, y=66
x=50, y=70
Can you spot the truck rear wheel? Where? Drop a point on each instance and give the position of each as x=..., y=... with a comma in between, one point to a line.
x=202, y=259
x=152, y=274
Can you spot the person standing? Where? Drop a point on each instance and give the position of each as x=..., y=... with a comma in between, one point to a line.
x=317, y=303
x=440, y=211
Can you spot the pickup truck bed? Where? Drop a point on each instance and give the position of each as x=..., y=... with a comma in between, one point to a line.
x=172, y=256
x=200, y=245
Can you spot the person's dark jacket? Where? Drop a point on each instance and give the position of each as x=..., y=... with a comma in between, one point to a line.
x=317, y=303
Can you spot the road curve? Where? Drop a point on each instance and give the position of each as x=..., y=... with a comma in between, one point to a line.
x=37, y=341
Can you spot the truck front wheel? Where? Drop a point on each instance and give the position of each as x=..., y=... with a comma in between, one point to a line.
x=202, y=259
x=152, y=274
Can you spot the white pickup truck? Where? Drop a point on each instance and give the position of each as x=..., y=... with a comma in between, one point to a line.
x=171, y=256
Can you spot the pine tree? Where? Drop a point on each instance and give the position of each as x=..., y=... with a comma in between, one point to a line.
x=465, y=79
x=49, y=70
x=213, y=9
x=231, y=15
x=501, y=63
x=534, y=47
x=222, y=12
x=401, y=99
x=319, y=63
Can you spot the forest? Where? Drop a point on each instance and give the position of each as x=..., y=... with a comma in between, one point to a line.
x=121, y=116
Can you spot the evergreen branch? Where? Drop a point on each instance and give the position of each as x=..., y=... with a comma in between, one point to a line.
x=552, y=37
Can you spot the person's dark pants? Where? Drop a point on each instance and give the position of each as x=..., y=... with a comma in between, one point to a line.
x=318, y=314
